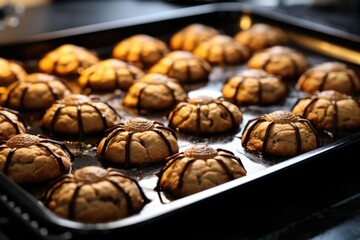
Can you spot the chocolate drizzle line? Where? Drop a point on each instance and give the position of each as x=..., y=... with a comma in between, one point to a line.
x=10, y=120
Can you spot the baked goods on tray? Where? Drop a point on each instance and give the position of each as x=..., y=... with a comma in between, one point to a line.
x=141, y=50
x=255, y=86
x=67, y=60
x=183, y=66
x=222, y=50
x=203, y=115
x=190, y=36
x=37, y=92
x=11, y=71
x=109, y=75
x=198, y=168
x=27, y=158
x=95, y=195
x=279, y=133
x=260, y=36
x=329, y=110
x=330, y=76
x=138, y=141
x=79, y=115
x=280, y=60
x=154, y=92
x=10, y=124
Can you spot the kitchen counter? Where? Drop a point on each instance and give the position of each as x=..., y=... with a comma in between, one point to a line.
x=317, y=201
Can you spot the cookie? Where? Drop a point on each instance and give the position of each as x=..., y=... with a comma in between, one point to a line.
x=10, y=123
x=11, y=71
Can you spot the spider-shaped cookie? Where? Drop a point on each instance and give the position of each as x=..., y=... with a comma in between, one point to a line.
x=27, y=158
x=95, y=195
x=10, y=123
x=138, y=141
x=280, y=133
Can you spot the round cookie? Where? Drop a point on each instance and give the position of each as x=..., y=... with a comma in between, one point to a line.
x=203, y=115
x=95, y=195
x=67, y=60
x=10, y=124
x=138, y=141
x=222, y=50
x=189, y=37
x=155, y=92
x=10, y=72
x=37, y=92
x=280, y=60
x=141, y=50
x=109, y=75
x=330, y=76
x=260, y=36
x=183, y=66
x=198, y=168
x=255, y=86
x=27, y=158
x=279, y=133
x=80, y=115
x=329, y=110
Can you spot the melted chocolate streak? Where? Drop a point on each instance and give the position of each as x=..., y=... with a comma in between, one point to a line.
x=66, y=179
x=174, y=158
x=240, y=83
x=10, y=120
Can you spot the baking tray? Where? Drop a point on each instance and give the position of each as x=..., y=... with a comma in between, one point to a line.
x=317, y=43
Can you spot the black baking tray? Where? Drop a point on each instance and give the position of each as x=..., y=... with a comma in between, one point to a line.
x=317, y=43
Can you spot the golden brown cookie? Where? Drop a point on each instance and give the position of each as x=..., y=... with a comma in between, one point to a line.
x=67, y=60
x=10, y=123
x=330, y=76
x=280, y=60
x=255, y=86
x=183, y=66
x=198, y=168
x=279, y=133
x=222, y=50
x=138, y=141
x=10, y=72
x=95, y=195
x=27, y=158
x=37, y=92
x=109, y=75
x=141, y=50
x=78, y=114
x=260, y=36
x=204, y=115
x=329, y=110
x=155, y=92
x=190, y=36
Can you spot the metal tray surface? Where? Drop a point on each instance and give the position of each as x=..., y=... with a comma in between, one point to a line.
x=23, y=201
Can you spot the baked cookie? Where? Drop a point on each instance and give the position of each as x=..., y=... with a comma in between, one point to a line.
x=279, y=133
x=37, y=92
x=10, y=124
x=183, y=66
x=330, y=76
x=329, y=110
x=189, y=37
x=222, y=50
x=141, y=50
x=138, y=141
x=67, y=60
x=198, y=168
x=260, y=36
x=78, y=114
x=255, y=86
x=280, y=60
x=10, y=72
x=95, y=195
x=154, y=92
x=109, y=75
x=27, y=158
x=204, y=115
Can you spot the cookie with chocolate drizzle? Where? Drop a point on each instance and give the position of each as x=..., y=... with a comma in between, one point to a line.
x=138, y=141
x=11, y=71
x=10, y=123
x=95, y=195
